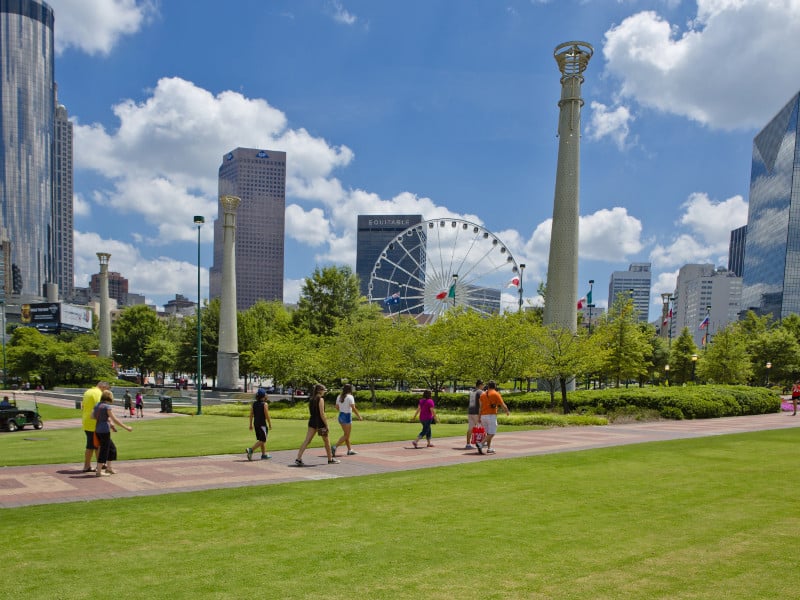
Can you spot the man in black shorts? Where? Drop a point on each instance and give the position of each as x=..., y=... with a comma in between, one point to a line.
x=259, y=418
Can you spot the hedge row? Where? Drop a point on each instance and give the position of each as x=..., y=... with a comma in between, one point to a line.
x=686, y=402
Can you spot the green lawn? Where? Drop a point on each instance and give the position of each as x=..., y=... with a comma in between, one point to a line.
x=706, y=518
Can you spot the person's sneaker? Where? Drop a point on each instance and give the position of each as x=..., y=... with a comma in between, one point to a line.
x=333, y=450
x=334, y=461
x=414, y=443
x=249, y=452
x=298, y=462
x=351, y=453
x=266, y=456
x=469, y=447
x=490, y=451
x=480, y=448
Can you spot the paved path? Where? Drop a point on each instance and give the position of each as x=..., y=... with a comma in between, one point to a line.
x=43, y=484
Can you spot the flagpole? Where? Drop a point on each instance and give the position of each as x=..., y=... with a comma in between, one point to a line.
x=521, y=270
x=591, y=304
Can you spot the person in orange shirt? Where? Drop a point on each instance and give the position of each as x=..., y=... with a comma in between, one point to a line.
x=491, y=400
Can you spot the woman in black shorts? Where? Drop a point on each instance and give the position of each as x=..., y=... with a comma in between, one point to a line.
x=317, y=424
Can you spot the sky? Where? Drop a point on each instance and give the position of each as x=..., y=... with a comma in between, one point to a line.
x=433, y=107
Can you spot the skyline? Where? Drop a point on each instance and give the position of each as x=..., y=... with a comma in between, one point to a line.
x=427, y=108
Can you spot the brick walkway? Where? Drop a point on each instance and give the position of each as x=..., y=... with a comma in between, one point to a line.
x=43, y=484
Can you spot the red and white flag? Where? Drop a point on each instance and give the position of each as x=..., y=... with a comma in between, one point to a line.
x=581, y=303
x=514, y=282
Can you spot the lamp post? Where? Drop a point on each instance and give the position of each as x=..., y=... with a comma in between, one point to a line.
x=521, y=271
x=199, y=220
x=694, y=365
x=769, y=366
x=455, y=281
x=591, y=304
x=666, y=373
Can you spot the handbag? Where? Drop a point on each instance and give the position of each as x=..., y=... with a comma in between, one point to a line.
x=478, y=434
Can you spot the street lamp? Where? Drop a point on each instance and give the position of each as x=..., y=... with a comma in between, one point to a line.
x=199, y=220
x=694, y=366
x=591, y=304
x=769, y=366
x=666, y=373
x=455, y=281
x=521, y=271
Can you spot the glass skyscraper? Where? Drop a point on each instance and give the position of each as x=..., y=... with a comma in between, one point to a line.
x=771, y=274
x=374, y=234
x=27, y=113
x=258, y=177
x=63, y=187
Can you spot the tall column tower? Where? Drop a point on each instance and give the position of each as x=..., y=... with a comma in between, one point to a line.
x=560, y=306
x=105, y=313
x=228, y=351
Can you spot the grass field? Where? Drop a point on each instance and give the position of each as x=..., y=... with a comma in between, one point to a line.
x=705, y=518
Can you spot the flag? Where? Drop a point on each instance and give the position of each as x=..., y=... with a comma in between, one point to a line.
x=393, y=299
x=589, y=297
x=441, y=295
x=581, y=303
x=668, y=317
x=704, y=323
x=514, y=282
x=451, y=293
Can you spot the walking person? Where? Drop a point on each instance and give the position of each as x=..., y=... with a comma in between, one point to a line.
x=90, y=399
x=491, y=400
x=317, y=424
x=427, y=417
x=473, y=411
x=346, y=405
x=795, y=396
x=128, y=404
x=139, y=404
x=259, y=417
x=106, y=421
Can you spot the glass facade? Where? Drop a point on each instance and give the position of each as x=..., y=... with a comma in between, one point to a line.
x=27, y=114
x=258, y=177
x=771, y=274
x=374, y=234
x=63, y=188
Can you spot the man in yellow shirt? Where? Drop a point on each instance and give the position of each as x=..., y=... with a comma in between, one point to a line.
x=90, y=398
x=491, y=400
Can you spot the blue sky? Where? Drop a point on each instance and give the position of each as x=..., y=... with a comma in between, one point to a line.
x=438, y=107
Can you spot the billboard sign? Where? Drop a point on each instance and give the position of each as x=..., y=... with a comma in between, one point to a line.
x=51, y=317
x=76, y=318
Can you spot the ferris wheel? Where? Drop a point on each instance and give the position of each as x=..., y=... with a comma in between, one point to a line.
x=439, y=264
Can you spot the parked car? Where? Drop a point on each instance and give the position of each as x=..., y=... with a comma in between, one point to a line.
x=13, y=417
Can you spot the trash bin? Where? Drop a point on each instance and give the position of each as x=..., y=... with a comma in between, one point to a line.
x=166, y=404
x=78, y=403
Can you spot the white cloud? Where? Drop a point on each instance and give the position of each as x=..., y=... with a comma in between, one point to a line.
x=714, y=221
x=723, y=70
x=95, y=26
x=80, y=207
x=341, y=14
x=608, y=122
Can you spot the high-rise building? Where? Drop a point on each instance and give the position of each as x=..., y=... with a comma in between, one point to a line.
x=736, y=250
x=702, y=291
x=64, y=251
x=258, y=178
x=27, y=114
x=771, y=274
x=636, y=282
x=375, y=232
x=117, y=287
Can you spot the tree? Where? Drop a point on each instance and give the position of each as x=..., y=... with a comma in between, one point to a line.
x=681, y=366
x=135, y=329
x=330, y=295
x=780, y=349
x=626, y=344
x=487, y=347
x=256, y=324
x=292, y=359
x=726, y=360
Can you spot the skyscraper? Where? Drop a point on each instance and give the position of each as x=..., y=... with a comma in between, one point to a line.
x=64, y=251
x=736, y=250
x=27, y=113
x=702, y=291
x=771, y=274
x=374, y=234
x=258, y=177
x=634, y=281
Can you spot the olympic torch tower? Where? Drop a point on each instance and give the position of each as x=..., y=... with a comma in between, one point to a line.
x=560, y=308
x=228, y=344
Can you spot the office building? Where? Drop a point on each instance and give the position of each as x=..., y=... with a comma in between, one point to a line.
x=771, y=274
x=64, y=251
x=636, y=282
x=27, y=113
x=702, y=291
x=258, y=178
x=375, y=232
x=117, y=287
x=180, y=305
x=736, y=250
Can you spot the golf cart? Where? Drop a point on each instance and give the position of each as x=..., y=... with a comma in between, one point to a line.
x=14, y=416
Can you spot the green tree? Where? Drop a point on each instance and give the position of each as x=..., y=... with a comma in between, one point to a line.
x=780, y=349
x=726, y=361
x=627, y=348
x=293, y=359
x=682, y=368
x=135, y=329
x=330, y=295
x=256, y=324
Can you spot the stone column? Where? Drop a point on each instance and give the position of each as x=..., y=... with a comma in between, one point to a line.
x=228, y=351
x=105, y=313
x=560, y=307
